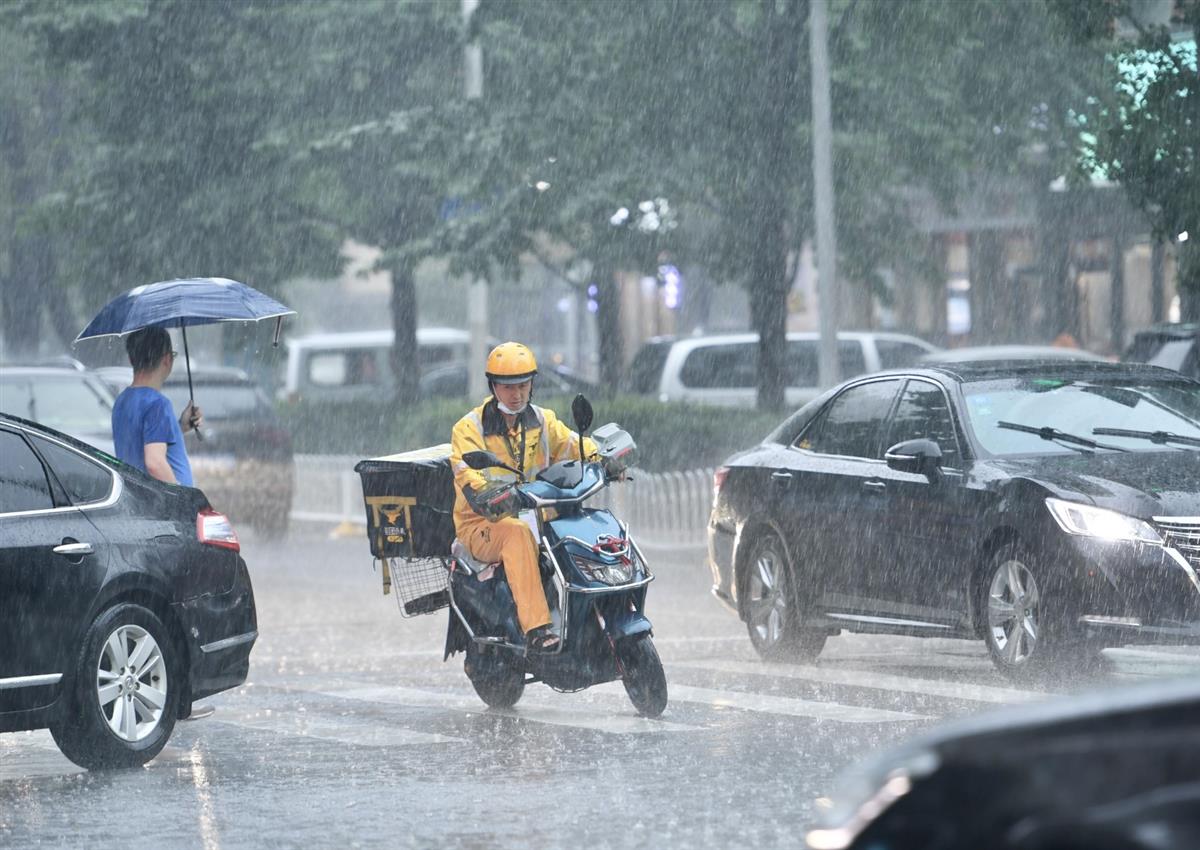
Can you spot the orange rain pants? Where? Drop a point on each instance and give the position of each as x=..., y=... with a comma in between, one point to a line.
x=510, y=540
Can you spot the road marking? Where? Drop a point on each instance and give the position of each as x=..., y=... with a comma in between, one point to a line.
x=600, y=721
x=790, y=706
x=1161, y=656
x=357, y=731
x=870, y=679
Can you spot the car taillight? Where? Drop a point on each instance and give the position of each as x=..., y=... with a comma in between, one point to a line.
x=719, y=480
x=215, y=529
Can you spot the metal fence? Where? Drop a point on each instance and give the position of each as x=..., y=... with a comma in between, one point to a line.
x=660, y=507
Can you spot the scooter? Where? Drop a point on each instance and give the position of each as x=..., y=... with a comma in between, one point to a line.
x=595, y=578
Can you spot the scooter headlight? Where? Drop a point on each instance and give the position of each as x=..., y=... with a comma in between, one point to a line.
x=620, y=572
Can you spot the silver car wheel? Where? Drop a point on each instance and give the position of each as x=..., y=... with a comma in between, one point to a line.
x=131, y=683
x=767, y=598
x=1012, y=610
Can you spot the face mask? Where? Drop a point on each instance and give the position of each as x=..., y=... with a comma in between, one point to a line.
x=505, y=408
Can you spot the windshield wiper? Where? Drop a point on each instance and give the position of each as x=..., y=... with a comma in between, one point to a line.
x=1048, y=433
x=1159, y=437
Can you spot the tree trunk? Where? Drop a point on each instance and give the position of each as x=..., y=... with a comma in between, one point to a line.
x=608, y=327
x=768, y=311
x=404, y=356
x=21, y=290
x=991, y=296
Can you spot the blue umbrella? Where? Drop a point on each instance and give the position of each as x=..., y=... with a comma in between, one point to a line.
x=182, y=303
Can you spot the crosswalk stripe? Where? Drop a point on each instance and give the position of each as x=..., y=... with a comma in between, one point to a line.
x=343, y=730
x=870, y=679
x=527, y=710
x=789, y=706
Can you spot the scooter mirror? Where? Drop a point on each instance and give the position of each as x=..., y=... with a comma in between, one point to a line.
x=581, y=412
x=481, y=460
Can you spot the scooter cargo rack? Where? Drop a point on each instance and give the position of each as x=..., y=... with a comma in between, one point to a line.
x=421, y=584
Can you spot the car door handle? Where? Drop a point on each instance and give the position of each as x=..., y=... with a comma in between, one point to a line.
x=875, y=486
x=74, y=550
x=781, y=477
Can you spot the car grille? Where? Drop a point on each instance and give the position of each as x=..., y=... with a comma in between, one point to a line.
x=1183, y=535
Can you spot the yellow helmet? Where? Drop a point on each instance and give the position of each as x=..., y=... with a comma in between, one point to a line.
x=511, y=363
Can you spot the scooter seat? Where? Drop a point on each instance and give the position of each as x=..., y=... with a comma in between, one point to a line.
x=473, y=565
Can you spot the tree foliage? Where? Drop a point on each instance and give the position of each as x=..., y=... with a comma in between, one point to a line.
x=1142, y=129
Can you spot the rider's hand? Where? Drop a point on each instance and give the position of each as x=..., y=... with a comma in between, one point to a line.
x=495, y=503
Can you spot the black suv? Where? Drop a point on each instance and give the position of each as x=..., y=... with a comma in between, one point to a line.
x=1172, y=346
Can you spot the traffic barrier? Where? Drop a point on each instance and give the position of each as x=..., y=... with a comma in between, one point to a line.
x=661, y=508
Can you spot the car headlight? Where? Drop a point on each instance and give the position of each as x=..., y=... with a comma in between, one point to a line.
x=1089, y=521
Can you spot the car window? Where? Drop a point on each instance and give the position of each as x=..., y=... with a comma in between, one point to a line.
x=71, y=405
x=803, y=363
x=726, y=365
x=850, y=358
x=924, y=413
x=850, y=425
x=23, y=484
x=219, y=401
x=645, y=371
x=428, y=355
x=84, y=480
x=452, y=381
x=897, y=354
x=1172, y=355
x=354, y=367
x=1076, y=406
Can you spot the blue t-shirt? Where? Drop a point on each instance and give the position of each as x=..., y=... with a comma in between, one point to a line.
x=144, y=415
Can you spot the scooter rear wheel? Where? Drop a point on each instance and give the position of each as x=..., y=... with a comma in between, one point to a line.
x=497, y=679
x=643, y=676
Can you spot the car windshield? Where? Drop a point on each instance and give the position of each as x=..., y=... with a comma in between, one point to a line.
x=70, y=405
x=1078, y=407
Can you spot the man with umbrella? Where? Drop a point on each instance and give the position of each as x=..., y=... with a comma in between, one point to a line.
x=145, y=431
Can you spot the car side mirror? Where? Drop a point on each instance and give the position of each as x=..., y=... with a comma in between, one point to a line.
x=581, y=412
x=482, y=460
x=919, y=456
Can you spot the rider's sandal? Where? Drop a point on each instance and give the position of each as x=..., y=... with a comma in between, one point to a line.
x=541, y=639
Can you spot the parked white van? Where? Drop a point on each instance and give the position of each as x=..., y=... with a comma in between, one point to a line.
x=356, y=365
x=722, y=369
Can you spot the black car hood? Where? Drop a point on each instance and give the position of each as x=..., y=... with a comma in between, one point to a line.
x=1143, y=484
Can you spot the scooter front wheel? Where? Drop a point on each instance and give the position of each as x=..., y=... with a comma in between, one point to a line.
x=643, y=676
x=497, y=679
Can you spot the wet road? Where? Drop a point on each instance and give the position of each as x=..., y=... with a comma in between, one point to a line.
x=352, y=732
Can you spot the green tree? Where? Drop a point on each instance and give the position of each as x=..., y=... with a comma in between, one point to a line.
x=181, y=175
x=1141, y=129
x=708, y=105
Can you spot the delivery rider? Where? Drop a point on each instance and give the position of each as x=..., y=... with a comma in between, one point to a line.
x=528, y=438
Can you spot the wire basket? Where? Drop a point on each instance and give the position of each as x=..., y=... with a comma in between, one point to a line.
x=421, y=584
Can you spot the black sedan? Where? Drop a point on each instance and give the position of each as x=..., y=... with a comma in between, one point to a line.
x=122, y=599
x=1051, y=509
x=1112, y=770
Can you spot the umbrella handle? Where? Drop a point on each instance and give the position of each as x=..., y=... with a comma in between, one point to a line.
x=191, y=392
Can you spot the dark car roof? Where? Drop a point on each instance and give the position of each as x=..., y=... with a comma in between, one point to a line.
x=983, y=370
x=1185, y=330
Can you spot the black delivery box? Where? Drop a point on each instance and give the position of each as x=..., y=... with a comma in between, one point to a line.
x=409, y=499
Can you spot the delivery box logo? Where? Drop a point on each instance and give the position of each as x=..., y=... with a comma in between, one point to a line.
x=385, y=515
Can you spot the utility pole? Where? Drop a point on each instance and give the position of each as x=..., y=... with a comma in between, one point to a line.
x=822, y=164
x=477, y=297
